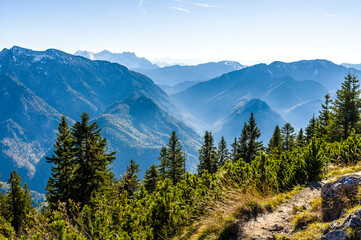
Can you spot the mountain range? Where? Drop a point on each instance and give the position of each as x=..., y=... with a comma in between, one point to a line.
x=171, y=79
x=136, y=115
x=294, y=90
x=173, y=75
x=350, y=65
x=230, y=125
x=128, y=59
x=38, y=86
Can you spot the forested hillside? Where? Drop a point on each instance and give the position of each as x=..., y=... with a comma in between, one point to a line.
x=37, y=87
x=86, y=201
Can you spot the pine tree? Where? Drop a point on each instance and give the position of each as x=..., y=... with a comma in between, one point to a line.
x=235, y=151
x=19, y=202
x=300, y=140
x=347, y=106
x=92, y=173
x=207, y=155
x=254, y=146
x=325, y=115
x=288, y=137
x=58, y=188
x=130, y=182
x=176, y=159
x=151, y=178
x=242, y=147
x=164, y=163
x=222, y=152
x=275, y=142
x=311, y=129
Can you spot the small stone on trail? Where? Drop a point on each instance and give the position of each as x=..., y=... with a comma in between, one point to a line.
x=277, y=228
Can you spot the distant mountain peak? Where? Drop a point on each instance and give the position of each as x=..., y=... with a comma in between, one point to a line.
x=130, y=54
x=301, y=63
x=133, y=101
x=232, y=123
x=351, y=65
x=128, y=59
x=85, y=54
x=16, y=50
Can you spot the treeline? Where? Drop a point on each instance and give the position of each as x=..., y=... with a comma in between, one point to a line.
x=86, y=201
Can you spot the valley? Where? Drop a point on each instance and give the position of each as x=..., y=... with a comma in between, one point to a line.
x=136, y=115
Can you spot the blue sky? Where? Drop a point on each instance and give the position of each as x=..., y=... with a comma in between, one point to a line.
x=246, y=31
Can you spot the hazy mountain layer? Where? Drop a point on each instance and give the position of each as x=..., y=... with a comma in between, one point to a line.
x=170, y=90
x=282, y=85
x=350, y=65
x=137, y=128
x=231, y=124
x=128, y=59
x=173, y=75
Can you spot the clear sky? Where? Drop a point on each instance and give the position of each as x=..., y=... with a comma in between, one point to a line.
x=248, y=31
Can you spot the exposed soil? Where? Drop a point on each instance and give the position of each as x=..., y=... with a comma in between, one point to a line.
x=268, y=225
x=279, y=221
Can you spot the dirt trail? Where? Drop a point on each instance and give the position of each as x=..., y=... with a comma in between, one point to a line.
x=278, y=222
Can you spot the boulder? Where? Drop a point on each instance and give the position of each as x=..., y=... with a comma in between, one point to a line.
x=345, y=184
x=335, y=194
x=335, y=235
x=340, y=232
x=353, y=220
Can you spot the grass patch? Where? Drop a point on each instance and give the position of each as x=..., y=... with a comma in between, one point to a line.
x=316, y=205
x=338, y=171
x=297, y=209
x=302, y=220
x=316, y=229
x=224, y=216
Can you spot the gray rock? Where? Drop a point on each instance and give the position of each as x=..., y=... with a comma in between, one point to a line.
x=333, y=196
x=353, y=220
x=277, y=228
x=335, y=235
x=342, y=185
x=334, y=225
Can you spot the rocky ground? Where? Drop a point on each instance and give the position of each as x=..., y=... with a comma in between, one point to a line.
x=279, y=222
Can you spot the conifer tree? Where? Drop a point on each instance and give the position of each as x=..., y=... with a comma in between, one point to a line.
x=19, y=202
x=151, y=178
x=164, y=163
x=176, y=160
x=325, y=115
x=275, y=142
x=347, y=106
x=222, y=152
x=311, y=128
x=288, y=137
x=242, y=147
x=130, y=181
x=254, y=146
x=235, y=151
x=91, y=161
x=58, y=188
x=300, y=140
x=207, y=155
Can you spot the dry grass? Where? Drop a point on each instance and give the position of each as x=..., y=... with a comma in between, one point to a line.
x=239, y=206
x=312, y=227
x=317, y=229
x=338, y=171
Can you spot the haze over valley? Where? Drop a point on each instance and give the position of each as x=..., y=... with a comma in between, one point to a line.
x=137, y=104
